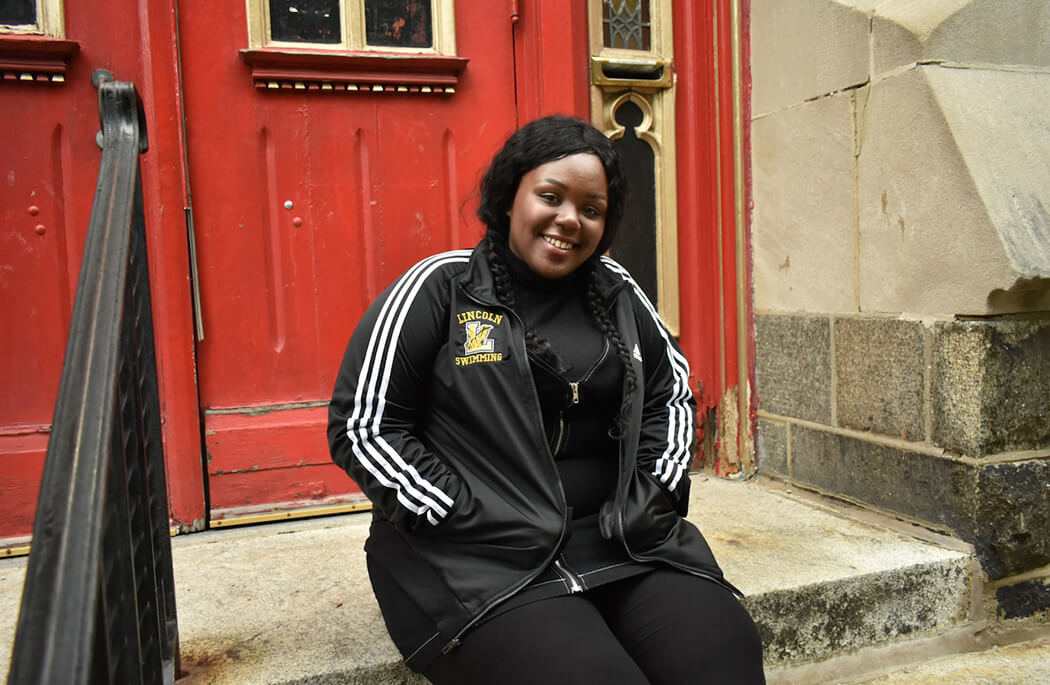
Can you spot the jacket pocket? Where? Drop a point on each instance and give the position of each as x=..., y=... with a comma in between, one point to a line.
x=420, y=611
x=650, y=512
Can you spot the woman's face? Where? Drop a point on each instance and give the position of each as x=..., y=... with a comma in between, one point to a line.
x=558, y=215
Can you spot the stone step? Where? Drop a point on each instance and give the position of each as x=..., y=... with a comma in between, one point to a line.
x=290, y=602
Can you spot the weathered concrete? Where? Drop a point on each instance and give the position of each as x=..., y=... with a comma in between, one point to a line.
x=1003, y=509
x=880, y=371
x=803, y=50
x=979, y=32
x=1012, y=512
x=991, y=385
x=928, y=487
x=805, y=207
x=1018, y=664
x=793, y=366
x=1000, y=123
x=1024, y=599
x=919, y=209
x=290, y=602
x=773, y=447
x=12, y=576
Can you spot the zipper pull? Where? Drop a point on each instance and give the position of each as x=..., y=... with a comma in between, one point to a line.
x=450, y=646
x=575, y=392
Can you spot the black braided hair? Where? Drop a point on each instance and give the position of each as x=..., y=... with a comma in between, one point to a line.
x=597, y=308
x=534, y=343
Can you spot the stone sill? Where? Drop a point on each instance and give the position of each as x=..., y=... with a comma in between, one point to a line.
x=35, y=59
x=353, y=72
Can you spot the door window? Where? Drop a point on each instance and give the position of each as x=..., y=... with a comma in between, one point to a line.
x=414, y=26
x=33, y=17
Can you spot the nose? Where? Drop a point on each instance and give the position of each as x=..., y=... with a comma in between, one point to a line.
x=568, y=218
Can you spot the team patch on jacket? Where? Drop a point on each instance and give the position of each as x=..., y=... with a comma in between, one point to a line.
x=481, y=337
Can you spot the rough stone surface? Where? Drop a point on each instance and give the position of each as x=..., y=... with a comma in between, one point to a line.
x=936, y=489
x=838, y=617
x=991, y=385
x=772, y=447
x=793, y=366
x=802, y=50
x=12, y=577
x=1000, y=122
x=1013, y=517
x=920, y=211
x=805, y=207
x=880, y=371
x=981, y=32
x=1027, y=598
x=1002, y=509
x=1019, y=664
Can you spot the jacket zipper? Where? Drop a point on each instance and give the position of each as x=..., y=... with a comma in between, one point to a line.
x=574, y=387
x=496, y=601
x=574, y=582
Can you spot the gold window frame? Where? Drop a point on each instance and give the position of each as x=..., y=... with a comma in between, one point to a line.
x=50, y=21
x=646, y=78
x=352, y=24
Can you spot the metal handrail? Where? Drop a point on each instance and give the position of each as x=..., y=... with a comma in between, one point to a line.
x=98, y=604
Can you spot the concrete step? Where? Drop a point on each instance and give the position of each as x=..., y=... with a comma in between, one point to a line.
x=290, y=602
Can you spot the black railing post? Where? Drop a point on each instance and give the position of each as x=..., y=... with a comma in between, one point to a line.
x=98, y=604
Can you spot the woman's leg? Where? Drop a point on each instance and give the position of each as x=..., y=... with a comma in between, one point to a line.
x=681, y=629
x=562, y=640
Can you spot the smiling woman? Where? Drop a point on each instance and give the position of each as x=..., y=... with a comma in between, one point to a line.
x=558, y=215
x=522, y=422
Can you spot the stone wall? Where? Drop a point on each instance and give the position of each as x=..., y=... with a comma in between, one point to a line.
x=901, y=260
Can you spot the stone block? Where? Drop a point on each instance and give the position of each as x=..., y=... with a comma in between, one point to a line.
x=793, y=366
x=801, y=50
x=805, y=207
x=1027, y=598
x=1013, y=517
x=935, y=489
x=979, y=32
x=843, y=616
x=1001, y=125
x=952, y=181
x=772, y=447
x=1002, y=509
x=991, y=385
x=879, y=367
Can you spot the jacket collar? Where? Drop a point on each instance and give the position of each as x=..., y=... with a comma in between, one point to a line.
x=478, y=280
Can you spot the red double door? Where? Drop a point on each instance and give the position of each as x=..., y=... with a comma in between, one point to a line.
x=275, y=216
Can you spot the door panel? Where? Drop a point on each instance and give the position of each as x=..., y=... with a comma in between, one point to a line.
x=49, y=163
x=306, y=205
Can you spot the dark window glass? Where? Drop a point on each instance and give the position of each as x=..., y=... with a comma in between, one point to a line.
x=399, y=23
x=635, y=246
x=625, y=24
x=17, y=12
x=305, y=21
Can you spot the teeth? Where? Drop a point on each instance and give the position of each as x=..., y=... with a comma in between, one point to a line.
x=561, y=244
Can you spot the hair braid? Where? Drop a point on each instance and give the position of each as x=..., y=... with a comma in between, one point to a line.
x=596, y=306
x=534, y=344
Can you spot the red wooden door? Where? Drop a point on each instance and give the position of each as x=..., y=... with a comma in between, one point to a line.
x=49, y=163
x=307, y=202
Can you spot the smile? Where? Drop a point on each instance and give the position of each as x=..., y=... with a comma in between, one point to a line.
x=560, y=244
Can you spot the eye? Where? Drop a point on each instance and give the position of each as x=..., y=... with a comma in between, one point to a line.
x=591, y=211
x=549, y=198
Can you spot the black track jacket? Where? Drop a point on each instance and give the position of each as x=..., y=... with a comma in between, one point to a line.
x=436, y=418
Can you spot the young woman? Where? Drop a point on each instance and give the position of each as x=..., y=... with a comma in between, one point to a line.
x=523, y=424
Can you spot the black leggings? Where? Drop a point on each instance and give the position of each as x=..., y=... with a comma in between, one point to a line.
x=661, y=628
